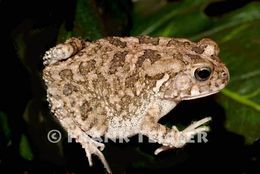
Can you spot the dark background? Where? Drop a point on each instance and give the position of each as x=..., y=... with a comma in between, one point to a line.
x=28, y=29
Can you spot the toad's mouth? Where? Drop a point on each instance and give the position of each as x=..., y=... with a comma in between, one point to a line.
x=199, y=95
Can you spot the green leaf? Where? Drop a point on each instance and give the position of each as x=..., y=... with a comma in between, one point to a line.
x=238, y=36
x=169, y=20
x=25, y=149
x=5, y=127
x=86, y=21
x=241, y=98
x=96, y=19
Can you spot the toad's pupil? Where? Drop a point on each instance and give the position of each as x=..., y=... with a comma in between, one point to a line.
x=202, y=74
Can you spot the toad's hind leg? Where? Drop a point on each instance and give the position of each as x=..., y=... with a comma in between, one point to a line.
x=63, y=51
x=94, y=147
x=90, y=145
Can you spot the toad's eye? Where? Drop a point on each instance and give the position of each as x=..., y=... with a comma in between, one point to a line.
x=202, y=74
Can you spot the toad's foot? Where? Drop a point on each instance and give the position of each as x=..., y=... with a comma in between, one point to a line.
x=63, y=51
x=184, y=136
x=90, y=145
x=93, y=147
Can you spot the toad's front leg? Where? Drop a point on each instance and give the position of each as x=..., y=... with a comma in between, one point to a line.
x=169, y=138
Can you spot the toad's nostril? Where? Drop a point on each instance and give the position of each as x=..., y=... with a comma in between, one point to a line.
x=224, y=74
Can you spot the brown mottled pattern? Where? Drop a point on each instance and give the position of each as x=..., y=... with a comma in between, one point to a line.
x=73, y=43
x=131, y=80
x=81, y=53
x=156, y=77
x=197, y=50
x=179, y=43
x=84, y=110
x=86, y=67
x=117, y=42
x=148, y=54
x=174, y=42
x=117, y=61
x=68, y=89
x=148, y=40
x=214, y=57
x=193, y=56
x=66, y=74
x=152, y=55
x=140, y=61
